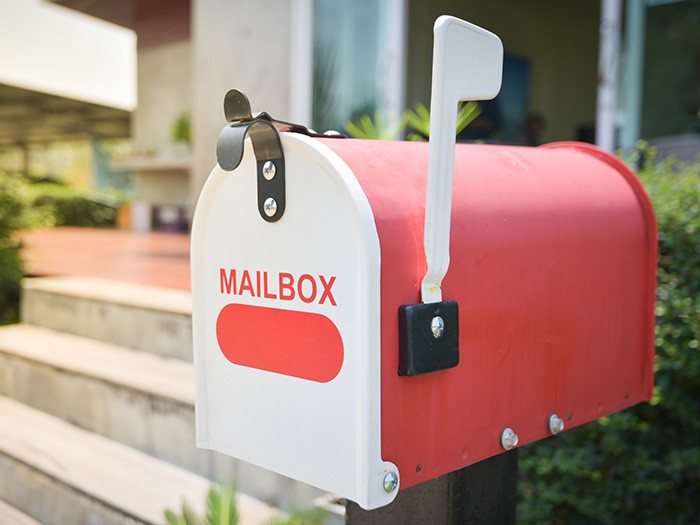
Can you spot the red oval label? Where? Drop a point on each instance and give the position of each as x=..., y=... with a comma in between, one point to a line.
x=298, y=344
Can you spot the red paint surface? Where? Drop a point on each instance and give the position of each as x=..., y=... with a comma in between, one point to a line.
x=553, y=264
x=298, y=344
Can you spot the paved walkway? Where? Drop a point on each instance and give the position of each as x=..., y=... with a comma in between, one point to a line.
x=157, y=259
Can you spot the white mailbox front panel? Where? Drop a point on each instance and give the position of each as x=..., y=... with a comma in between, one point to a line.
x=286, y=324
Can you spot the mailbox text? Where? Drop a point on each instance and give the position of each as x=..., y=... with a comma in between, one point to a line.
x=281, y=286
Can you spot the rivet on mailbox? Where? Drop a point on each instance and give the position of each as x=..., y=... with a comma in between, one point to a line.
x=374, y=319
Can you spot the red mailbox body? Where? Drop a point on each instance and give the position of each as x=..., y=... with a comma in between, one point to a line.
x=553, y=265
x=296, y=321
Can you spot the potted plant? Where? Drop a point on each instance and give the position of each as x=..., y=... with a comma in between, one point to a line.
x=181, y=134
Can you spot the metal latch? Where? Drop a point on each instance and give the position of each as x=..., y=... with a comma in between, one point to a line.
x=266, y=146
x=263, y=131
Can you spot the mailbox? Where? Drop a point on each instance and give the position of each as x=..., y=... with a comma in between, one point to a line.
x=354, y=335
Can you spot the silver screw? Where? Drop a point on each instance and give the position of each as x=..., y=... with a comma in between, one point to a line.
x=555, y=424
x=437, y=326
x=269, y=170
x=509, y=439
x=391, y=481
x=270, y=207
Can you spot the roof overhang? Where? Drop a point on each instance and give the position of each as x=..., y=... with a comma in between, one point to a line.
x=63, y=75
x=30, y=117
x=51, y=49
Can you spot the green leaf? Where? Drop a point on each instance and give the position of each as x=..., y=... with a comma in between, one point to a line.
x=187, y=516
x=302, y=517
x=377, y=128
x=221, y=505
x=419, y=119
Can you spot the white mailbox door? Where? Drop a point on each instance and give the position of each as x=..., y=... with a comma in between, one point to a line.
x=286, y=321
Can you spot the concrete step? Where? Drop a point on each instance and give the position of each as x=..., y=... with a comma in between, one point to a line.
x=156, y=320
x=139, y=399
x=13, y=516
x=60, y=474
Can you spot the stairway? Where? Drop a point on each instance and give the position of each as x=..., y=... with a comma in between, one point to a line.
x=97, y=411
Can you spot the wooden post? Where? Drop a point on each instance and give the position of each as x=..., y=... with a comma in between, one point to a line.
x=483, y=493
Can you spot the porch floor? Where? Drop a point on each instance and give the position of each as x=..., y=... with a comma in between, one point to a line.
x=153, y=258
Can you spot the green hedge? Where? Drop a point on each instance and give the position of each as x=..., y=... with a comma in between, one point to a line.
x=75, y=207
x=26, y=202
x=640, y=466
x=16, y=212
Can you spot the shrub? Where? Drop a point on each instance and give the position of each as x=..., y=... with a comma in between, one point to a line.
x=16, y=213
x=642, y=465
x=27, y=202
x=75, y=207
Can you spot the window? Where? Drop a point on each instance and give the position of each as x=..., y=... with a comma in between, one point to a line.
x=357, y=60
x=671, y=97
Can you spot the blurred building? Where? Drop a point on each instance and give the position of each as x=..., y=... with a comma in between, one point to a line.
x=324, y=62
x=64, y=76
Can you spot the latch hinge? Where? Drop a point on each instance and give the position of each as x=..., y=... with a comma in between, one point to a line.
x=263, y=132
x=428, y=337
x=266, y=146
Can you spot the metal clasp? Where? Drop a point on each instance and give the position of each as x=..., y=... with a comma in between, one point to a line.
x=267, y=148
x=264, y=134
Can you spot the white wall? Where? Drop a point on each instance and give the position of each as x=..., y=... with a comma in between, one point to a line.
x=164, y=92
x=236, y=44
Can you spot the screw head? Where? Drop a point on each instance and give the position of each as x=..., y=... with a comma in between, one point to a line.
x=269, y=170
x=509, y=439
x=391, y=482
x=437, y=326
x=555, y=424
x=270, y=207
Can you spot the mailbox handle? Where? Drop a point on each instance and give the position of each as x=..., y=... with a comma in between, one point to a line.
x=467, y=65
x=266, y=146
x=263, y=132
